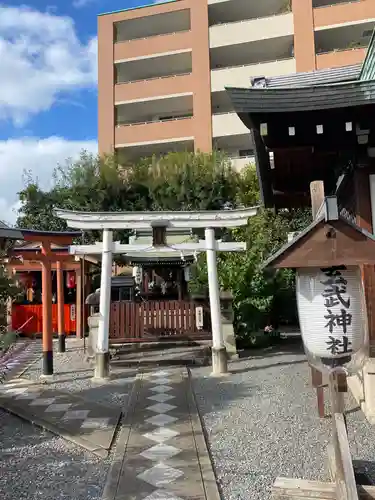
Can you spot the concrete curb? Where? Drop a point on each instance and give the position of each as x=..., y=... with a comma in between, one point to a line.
x=209, y=480
x=114, y=472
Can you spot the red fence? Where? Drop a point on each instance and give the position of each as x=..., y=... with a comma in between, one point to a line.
x=156, y=320
x=21, y=315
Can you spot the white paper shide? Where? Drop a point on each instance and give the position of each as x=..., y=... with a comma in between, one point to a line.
x=331, y=311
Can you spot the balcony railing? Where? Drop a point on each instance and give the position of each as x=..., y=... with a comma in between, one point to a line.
x=343, y=49
x=153, y=78
x=126, y=124
x=246, y=20
x=322, y=4
x=252, y=63
x=151, y=36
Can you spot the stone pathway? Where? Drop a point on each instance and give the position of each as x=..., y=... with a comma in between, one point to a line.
x=14, y=363
x=83, y=422
x=161, y=452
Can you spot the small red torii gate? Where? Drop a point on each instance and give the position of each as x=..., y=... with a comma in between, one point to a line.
x=46, y=256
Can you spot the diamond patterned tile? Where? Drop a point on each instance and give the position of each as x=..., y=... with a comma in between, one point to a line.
x=15, y=390
x=12, y=383
x=76, y=414
x=95, y=423
x=128, y=380
x=161, y=408
x=161, y=373
x=162, y=495
x=160, y=475
x=160, y=452
x=58, y=407
x=161, y=388
x=161, y=419
x=161, y=435
x=161, y=381
x=28, y=395
x=42, y=401
x=160, y=398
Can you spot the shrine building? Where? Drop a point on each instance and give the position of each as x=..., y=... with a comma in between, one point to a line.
x=319, y=126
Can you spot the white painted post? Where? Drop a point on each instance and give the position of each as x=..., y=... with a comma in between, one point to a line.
x=219, y=353
x=372, y=200
x=102, y=347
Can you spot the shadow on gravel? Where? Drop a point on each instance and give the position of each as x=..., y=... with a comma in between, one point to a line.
x=364, y=472
x=286, y=346
x=271, y=365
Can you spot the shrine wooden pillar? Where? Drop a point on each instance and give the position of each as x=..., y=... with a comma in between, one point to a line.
x=317, y=198
x=363, y=210
x=60, y=305
x=79, y=322
x=47, y=339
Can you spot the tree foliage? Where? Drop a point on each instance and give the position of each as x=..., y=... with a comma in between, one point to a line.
x=178, y=181
x=182, y=181
x=261, y=297
x=8, y=289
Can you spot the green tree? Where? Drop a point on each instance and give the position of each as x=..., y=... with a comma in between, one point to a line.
x=181, y=181
x=8, y=288
x=261, y=297
x=187, y=181
x=177, y=181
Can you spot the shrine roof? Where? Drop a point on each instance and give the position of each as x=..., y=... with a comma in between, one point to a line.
x=313, y=78
x=310, y=91
x=164, y=259
x=172, y=238
x=15, y=233
x=294, y=99
x=328, y=213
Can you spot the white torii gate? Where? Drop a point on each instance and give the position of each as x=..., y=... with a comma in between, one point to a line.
x=108, y=221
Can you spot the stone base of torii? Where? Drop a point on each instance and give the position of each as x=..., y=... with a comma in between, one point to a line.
x=158, y=221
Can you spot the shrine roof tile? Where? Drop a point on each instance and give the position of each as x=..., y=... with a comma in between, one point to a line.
x=314, y=78
x=266, y=100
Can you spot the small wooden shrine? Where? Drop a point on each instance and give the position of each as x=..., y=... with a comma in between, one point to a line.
x=161, y=275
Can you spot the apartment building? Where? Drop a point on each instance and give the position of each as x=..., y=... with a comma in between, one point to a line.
x=163, y=68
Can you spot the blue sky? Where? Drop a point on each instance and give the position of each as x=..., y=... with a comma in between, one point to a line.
x=48, y=91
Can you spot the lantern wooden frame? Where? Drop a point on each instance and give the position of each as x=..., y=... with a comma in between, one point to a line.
x=331, y=240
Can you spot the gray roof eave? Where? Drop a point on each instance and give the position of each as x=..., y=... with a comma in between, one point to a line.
x=281, y=100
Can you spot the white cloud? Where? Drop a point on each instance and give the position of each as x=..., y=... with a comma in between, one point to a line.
x=41, y=59
x=40, y=156
x=78, y=4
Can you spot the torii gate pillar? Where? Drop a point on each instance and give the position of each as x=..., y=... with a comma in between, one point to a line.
x=102, y=348
x=219, y=352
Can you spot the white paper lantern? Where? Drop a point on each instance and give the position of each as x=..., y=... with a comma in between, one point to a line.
x=187, y=274
x=137, y=274
x=332, y=316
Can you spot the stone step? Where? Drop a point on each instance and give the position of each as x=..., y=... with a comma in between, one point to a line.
x=193, y=356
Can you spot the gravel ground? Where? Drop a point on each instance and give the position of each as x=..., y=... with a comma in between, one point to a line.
x=262, y=423
x=35, y=464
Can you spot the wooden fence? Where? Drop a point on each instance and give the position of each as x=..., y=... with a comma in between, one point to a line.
x=156, y=320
